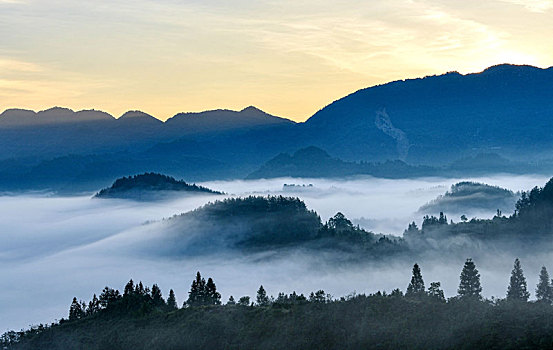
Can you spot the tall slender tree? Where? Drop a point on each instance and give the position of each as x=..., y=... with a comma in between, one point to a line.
x=517, y=289
x=469, y=285
x=129, y=288
x=416, y=286
x=197, y=294
x=93, y=306
x=172, y=301
x=157, y=297
x=76, y=310
x=543, y=290
x=213, y=297
x=435, y=291
x=262, y=298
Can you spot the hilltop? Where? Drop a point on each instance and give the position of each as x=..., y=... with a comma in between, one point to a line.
x=150, y=186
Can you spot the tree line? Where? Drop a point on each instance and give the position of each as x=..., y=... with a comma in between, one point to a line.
x=139, y=302
x=204, y=293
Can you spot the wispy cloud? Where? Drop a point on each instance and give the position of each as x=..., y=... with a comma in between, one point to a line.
x=533, y=5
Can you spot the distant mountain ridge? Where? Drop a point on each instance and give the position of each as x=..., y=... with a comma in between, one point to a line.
x=61, y=131
x=501, y=117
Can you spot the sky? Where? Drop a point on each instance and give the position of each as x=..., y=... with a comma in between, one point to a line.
x=289, y=58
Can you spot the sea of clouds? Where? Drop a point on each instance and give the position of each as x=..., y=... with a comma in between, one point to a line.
x=54, y=248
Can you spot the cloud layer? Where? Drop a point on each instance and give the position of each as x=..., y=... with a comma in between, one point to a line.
x=54, y=248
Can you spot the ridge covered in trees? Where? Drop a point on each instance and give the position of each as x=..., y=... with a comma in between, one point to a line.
x=256, y=222
x=471, y=196
x=140, y=318
x=149, y=185
x=530, y=223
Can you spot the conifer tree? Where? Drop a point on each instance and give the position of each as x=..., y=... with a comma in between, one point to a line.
x=93, y=306
x=139, y=289
x=543, y=290
x=517, y=289
x=469, y=286
x=262, y=298
x=129, y=288
x=213, y=297
x=172, y=301
x=157, y=297
x=197, y=294
x=435, y=291
x=416, y=286
x=109, y=296
x=76, y=310
x=244, y=301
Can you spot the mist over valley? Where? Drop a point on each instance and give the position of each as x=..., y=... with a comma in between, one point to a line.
x=58, y=246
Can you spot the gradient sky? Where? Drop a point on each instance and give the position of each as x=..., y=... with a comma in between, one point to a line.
x=289, y=58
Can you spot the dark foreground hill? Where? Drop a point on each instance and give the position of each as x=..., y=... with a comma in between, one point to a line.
x=378, y=321
x=150, y=186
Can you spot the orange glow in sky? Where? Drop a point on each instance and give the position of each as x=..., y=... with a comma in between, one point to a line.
x=288, y=58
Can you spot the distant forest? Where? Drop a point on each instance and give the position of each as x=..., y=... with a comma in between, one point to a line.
x=420, y=318
x=260, y=223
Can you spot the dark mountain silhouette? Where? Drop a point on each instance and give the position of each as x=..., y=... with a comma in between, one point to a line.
x=315, y=162
x=61, y=131
x=150, y=186
x=223, y=119
x=498, y=120
x=505, y=109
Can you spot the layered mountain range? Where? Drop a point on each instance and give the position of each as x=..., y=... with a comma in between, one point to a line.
x=505, y=110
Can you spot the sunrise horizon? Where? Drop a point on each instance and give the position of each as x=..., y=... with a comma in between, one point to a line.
x=238, y=108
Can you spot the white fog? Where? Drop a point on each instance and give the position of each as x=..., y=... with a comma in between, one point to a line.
x=54, y=248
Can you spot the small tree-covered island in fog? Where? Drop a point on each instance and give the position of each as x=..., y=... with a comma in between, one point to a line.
x=150, y=186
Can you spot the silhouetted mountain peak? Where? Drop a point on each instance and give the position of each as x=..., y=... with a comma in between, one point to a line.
x=17, y=117
x=253, y=110
x=311, y=153
x=510, y=68
x=140, y=117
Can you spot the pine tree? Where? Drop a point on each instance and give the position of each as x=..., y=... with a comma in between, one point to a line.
x=231, y=301
x=262, y=298
x=213, y=297
x=435, y=291
x=129, y=288
x=157, y=297
x=108, y=297
x=76, y=310
x=416, y=287
x=139, y=289
x=543, y=291
x=517, y=289
x=197, y=294
x=469, y=286
x=93, y=306
x=244, y=301
x=172, y=301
